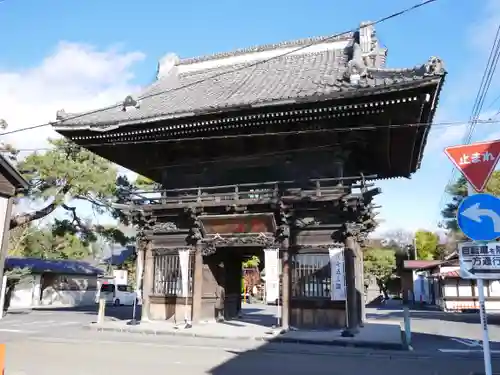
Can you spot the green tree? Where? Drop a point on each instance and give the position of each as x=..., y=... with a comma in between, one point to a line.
x=457, y=191
x=427, y=245
x=44, y=244
x=253, y=262
x=66, y=174
x=380, y=263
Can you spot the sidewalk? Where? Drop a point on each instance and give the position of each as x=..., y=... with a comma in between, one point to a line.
x=374, y=335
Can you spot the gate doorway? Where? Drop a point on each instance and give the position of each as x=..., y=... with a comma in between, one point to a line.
x=225, y=294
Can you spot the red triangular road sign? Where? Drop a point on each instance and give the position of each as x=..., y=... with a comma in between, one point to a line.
x=476, y=161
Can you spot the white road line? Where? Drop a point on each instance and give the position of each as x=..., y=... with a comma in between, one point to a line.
x=15, y=330
x=39, y=324
x=466, y=351
x=468, y=342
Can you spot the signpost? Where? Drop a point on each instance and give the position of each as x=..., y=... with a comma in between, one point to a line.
x=478, y=216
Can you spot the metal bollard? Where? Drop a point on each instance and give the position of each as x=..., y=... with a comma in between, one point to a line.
x=407, y=327
x=102, y=310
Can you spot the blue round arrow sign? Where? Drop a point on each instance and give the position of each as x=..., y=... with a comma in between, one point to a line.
x=478, y=216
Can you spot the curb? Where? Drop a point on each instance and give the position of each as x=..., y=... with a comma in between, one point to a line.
x=271, y=339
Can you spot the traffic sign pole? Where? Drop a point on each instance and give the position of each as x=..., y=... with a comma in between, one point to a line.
x=484, y=325
x=478, y=216
x=482, y=313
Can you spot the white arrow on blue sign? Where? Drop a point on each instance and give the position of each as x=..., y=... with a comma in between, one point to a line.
x=478, y=216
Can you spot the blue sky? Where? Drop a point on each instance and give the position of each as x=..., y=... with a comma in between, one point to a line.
x=80, y=55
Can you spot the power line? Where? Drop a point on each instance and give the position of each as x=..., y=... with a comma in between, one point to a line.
x=284, y=133
x=321, y=40
x=477, y=107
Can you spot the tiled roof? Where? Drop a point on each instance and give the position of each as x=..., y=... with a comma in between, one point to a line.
x=450, y=274
x=120, y=256
x=57, y=266
x=298, y=77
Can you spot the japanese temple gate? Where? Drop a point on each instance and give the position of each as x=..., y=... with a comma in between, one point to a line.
x=256, y=150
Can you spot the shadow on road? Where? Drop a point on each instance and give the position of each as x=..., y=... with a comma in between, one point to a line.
x=116, y=312
x=381, y=313
x=290, y=359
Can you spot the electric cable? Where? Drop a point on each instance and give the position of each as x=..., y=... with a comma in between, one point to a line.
x=320, y=40
x=477, y=106
x=284, y=133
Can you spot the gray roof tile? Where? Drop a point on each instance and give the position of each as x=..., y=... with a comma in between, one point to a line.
x=295, y=76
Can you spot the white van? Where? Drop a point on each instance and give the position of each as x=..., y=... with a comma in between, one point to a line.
x=117, y=295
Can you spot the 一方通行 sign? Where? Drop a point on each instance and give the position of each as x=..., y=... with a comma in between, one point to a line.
x=479, y=260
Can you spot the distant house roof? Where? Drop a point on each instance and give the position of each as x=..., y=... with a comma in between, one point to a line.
x=118, y=257
x=57, y=266
x=455, y=274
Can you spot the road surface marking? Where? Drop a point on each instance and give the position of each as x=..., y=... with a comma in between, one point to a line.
x=15, y=330
x=466, y=351
x=468, y=342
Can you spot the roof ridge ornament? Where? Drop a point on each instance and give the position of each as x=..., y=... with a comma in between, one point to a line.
x=356, y=67
x=367, y=37
x=373, y=54
x=130, y=103
x=434, y=66
x=61, y=115
x=3, y=124
x=167, y=65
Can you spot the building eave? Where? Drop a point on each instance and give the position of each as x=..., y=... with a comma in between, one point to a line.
x=66, y=126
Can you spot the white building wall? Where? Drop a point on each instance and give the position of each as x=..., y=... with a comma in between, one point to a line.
x=27, y=293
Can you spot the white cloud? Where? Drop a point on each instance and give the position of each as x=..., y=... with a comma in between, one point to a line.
x=74, y=77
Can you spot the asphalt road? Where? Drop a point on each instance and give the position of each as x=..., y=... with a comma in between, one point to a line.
x=444, y=338
x=437, y=331
x=32, y=322
x=79, y=352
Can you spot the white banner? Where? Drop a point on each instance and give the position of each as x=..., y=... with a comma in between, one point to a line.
x=184, y=263
x=337, y=269
x=271, y=264
x=121, y=277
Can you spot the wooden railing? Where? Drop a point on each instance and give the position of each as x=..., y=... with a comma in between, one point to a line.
x=254, y=191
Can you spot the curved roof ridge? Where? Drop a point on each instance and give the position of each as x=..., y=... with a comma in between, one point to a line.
x=252, y=63
x=268, y=47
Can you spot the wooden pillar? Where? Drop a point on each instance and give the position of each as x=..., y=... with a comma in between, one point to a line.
x=351, y=289
x=148, y=279
x=286, y=271
x=198, y=284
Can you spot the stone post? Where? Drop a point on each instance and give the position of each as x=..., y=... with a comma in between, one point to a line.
x=148, y=279
x=197, y=284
